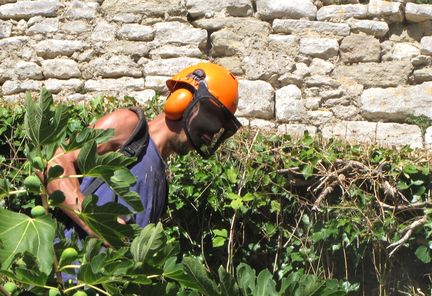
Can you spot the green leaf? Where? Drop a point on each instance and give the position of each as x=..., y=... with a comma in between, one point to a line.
x=87, y=135
x=307, y=171
x=87, y=276
x=20, y=233
x=197, y=271
x=246, y=278
x=220, y=235
x=26, y=276
x=42, y=125
x=423, y=254
x=150, y=239
x=174, y=271
x=103, y=221
x=4, y=188
x=228, y=285
x=265, y=284
x=231, y=174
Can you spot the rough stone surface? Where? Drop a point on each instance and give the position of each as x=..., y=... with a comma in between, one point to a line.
x=49, y=25
x=293, y=9
x=52, y=48
x=354, y=131
x=81, y=10
x=116, y=66
x=28, y=70
x=75, y=27
x=179, y=33
x=262, y=124
x=136, y=32
x=198, y=8
x=60, y=68
x=319, y=47
x=390, y=11
x=249, y=105
x=405, y=51
x=168, y=67
x=426, y=45
x=5, y=29
x=418, y=13
x=296, y=130
x=157, y=83
x=340, y=12
x=375, y=28
x=28, y=9
x=398, y=135
x=397, y=103
x=149, y=8
x=104, y=31
x=384, y=74
x=114, y=85
x=57, y=85
x=422, y=75
x=308, y=27
x=360, y=48
x=428, y=138
x=289, y=104
x=143, y=97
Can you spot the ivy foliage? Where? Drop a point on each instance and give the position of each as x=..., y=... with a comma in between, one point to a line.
x=268, y=215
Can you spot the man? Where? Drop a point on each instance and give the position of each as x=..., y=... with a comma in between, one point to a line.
x=198, y=114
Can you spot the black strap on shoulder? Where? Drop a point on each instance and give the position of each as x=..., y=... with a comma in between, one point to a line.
x=135, y=146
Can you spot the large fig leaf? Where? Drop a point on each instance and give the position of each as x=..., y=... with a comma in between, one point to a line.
x=19, y=233
x=112, y=168
x=150, y=239
x=228, y=285
x=87, y=135
x=198, y=273
x=43, y=126
x=103, y=221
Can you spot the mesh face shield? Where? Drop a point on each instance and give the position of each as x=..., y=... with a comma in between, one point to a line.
x=208, y=122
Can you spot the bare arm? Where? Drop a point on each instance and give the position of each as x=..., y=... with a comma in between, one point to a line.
x=123, y=122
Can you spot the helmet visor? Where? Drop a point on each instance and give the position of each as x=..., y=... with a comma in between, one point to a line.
x=208, y=122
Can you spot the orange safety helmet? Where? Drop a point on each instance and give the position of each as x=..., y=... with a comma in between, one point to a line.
x=221, y=83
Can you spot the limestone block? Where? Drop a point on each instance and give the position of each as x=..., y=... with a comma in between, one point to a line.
x=360, y=48
x=172, y=51
x=426, y=45
x=422, y=75
x=319, y=117
x=28, y=9
x=57, y=85
x=344, y=112
x=132, y=48
x=5, y=29
x=201, y=8
x=49, y=25
x=353, y=131
x=262, y=124
x=143, y=97
x=418, y=13
x=115, y=85
x=293, y=9
x=60, y=68
x=226, y=43
x=385, y=74
x=324, y=48
x=296, y=130
x=104, y=31
x=31, y=85
x=168, y=67
x=75, y=27
x=428, y=138
x=390, y=11
x=136, y=32
x=341, y=12
x=289, y=104
x=81, y=10
x=266, y=65
x=307, y=27
x=405, y=51
x=11, y=87
x=116, y=66
x=320, y=67
x=127, y=18
x=321, y=81
x=287, y=44
x=421, y=60
x=395, y=103
x=398, y=135
x=28, y=70
x=179, y=33
x=375, y=28
x=149, y=8
x=256, y=99
x=13, y=42
x=53, y=47
x=158, y=83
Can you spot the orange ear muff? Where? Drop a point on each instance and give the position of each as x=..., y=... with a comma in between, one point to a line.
x=177, y=102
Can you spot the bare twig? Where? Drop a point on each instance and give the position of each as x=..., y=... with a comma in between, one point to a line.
x=408, y=232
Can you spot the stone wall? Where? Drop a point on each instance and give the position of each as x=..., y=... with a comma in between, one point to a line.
x=354, y=71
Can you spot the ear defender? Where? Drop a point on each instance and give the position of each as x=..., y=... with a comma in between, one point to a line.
x=177, y=102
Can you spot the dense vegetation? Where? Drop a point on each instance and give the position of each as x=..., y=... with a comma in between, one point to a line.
x=267, y=215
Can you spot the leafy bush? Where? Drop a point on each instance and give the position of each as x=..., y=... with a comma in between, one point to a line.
x=282, y=216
